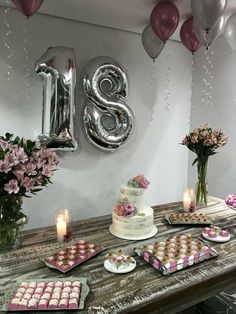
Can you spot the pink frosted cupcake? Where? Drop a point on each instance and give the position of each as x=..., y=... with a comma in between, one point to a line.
x=51, y=284
x=41, y=284
x=46, y=296
x=23, y=304
x=39, y=290
x=65, y=295
x=36, y=296
x=33, y=303
x=32, y=284
x=73, y=303
x=53, y=303
x=27, y=296
x=63, y=303
x=212, y=234
x=43, y=304
x=76, y=283
x=224, y=233
x=24, y=284
x=14, y=304
x=48, y=289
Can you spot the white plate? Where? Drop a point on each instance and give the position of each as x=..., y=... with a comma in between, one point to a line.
x=217, y=239
x=123, y=269
x=141, y=237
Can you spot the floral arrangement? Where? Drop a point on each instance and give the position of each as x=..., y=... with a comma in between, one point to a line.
x=231, y=200
x=119, y=258
x=124, y=208
x=139, y=182
x=24, y=166
x=203, y=141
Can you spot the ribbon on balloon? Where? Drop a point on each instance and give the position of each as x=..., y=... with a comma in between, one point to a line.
x=108, y=120
x=57, y=66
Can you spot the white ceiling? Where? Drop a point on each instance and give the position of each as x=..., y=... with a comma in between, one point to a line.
x=128, y=15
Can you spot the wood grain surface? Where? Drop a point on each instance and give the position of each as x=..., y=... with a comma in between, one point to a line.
x=142, y=291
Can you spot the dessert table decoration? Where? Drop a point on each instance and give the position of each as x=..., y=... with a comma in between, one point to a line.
x=28, y=7
x=203, y=141
x=119, y=262
x=175, y=253
x=108, y=120
x=151, y=43
x=230, y=201
x=188, y=219
x=216, y=234
x=72, y=256
x=47, y=295
x=25, y=168
x=57, y=66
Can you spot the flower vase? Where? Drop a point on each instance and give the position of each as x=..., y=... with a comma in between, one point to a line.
x=201, y=187
x=11, y=221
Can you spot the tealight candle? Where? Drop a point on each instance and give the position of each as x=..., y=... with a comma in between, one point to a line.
x=61, y=228
x=189, y=201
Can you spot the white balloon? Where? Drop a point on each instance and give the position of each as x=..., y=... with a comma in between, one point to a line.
x=207, y=38
x=207, y=12
x=230, y=31
x=151, y=43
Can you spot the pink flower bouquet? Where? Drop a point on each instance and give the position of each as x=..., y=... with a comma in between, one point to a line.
x=139, y=182
x=25, y=168
x=124, y=208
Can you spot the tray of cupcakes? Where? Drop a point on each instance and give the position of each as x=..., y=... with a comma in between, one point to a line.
x=175, y=253
x=47, y=295
x=188, y=219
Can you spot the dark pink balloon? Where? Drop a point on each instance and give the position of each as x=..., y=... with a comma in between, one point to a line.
x=164, y=20
x=188, y=37
x=28, y=7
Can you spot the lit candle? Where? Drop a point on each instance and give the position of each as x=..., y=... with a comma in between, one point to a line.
x=61, y=228
x=189, y=201
x=66, y=215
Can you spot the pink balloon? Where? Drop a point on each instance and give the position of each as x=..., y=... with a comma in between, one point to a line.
x=188, y=37
x=164, y=20
x=28, y=7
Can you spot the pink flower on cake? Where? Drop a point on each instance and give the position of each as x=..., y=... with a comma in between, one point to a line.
x=139, y=182
x=129, y=209
x=119, y=209
x=12, y=187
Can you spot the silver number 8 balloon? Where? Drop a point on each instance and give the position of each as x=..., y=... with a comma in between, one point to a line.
x=108, y=120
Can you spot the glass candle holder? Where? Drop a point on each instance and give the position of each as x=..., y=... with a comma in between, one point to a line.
x=189, y=200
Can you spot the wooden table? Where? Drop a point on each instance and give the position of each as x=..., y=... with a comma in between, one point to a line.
x=142, y=291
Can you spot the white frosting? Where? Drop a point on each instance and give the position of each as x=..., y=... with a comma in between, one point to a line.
x=134, y=195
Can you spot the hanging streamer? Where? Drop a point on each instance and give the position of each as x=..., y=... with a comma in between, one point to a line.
x=191, y=93
x=26, y=60
x=153, y=90
x=167, y=85
x=6, y=40
x=208, y=78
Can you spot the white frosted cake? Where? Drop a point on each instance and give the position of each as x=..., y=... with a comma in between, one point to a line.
x=131, y=218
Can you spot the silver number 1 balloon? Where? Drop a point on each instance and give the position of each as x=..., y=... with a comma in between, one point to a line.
x=108, y=120
x=57, y=66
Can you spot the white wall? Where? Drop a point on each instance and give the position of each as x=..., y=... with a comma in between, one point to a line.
x=221, y=114
x=88, y=180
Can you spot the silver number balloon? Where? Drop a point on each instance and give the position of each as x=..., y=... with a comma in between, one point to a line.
x=230, y=31
x=57, y=66
x=207, y=38
x=151, y=43
x=207, y=12
x=107, y=119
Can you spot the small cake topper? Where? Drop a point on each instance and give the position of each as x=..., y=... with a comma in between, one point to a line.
x=139, y=182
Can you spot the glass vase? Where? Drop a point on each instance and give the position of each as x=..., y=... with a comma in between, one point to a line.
x=11, y=221
x=201, y=187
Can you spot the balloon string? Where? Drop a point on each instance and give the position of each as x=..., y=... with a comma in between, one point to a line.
x=9, y=50
x=167, y=85
x=26, y=61
x=152, y=98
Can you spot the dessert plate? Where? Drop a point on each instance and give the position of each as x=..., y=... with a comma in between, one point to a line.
x=123, y=269
x=216, y=234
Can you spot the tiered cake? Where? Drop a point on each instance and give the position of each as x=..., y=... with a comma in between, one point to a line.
x=131, y=218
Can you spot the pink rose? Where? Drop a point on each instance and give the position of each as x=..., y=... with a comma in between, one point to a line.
x=119, y=209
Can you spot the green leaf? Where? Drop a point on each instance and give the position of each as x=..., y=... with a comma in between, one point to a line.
x=194, y=162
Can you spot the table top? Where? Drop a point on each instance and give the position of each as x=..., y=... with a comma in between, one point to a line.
x=144, y=290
